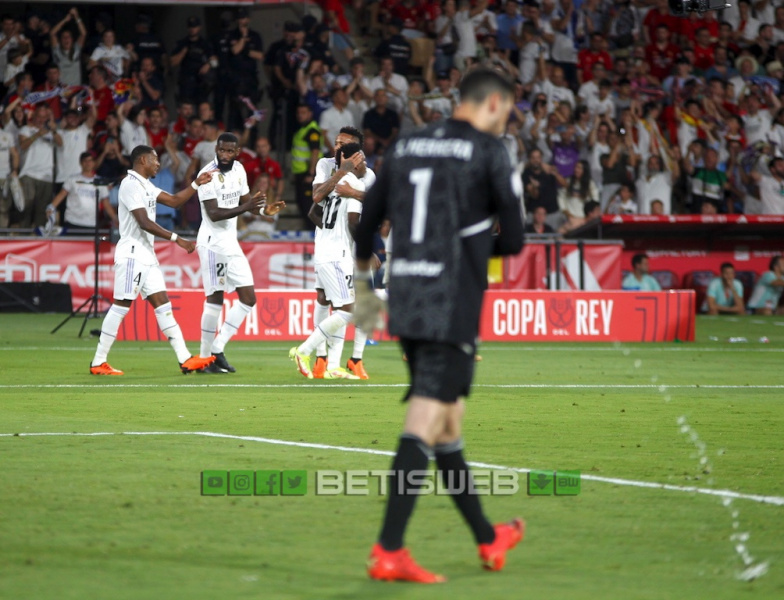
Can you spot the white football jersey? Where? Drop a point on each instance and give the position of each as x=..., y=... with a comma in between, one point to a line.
x=136, y=192
x=227, y=189
x=333, y=239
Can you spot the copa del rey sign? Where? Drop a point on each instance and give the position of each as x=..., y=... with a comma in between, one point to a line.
x=507, y=316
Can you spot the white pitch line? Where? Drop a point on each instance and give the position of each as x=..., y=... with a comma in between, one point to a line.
x=775, y=500
x=508, y=347
x=521, y=386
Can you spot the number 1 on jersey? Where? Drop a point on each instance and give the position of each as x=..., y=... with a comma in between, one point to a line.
x=420, y=179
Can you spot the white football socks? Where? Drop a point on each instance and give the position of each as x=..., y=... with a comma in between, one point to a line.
x=109, y=328
x=234, y=319
x=209, y=325
x=360, y=338
x=327, y=328
x=172, y=331
x=320, y=312
x=335, y=348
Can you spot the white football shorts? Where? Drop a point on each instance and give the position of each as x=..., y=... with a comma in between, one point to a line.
x=337, y=281
x=223, y=273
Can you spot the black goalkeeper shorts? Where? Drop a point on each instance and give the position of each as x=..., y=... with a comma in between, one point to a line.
x=438, y=369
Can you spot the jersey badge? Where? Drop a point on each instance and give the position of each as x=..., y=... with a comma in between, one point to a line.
x=221, y=178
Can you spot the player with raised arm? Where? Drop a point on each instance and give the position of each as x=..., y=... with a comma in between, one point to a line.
x=325, y=183
x=445, y=189
x=224, y=266
x=136, y=268
x=334, y=260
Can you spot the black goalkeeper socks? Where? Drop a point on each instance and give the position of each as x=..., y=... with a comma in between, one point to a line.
x=456, y=477
x=412, y=455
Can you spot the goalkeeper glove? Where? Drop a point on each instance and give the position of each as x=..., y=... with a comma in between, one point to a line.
x=367, y=306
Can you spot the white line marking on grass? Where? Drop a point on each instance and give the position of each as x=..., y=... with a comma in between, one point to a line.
x=507, y=347
x=522, y=386
x=775, y=500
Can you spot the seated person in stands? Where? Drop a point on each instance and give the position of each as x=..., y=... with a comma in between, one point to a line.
x=639, y=279
x=657, y=208
x=538, y=225
x=767, y=293
x=725, y=293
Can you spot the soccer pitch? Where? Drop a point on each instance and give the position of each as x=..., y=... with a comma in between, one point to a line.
x=121, y=515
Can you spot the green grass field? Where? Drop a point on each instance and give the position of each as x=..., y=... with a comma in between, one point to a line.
x=121, y=515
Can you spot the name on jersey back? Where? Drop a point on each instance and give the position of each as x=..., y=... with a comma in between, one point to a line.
x=430, y=148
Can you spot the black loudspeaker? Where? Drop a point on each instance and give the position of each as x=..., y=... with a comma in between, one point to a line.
x=35, y=297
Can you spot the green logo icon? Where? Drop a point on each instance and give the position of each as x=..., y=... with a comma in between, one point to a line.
x=214, y=483
x=240, y=483
x=540, y=483
x=567, y=483
x=268, y=483
x=294, y=483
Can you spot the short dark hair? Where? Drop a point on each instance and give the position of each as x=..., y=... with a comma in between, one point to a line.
x=138, y=152
x=773, y=261
x=193, y=118
x=229, y=138
x=353, y=132
x=478, y=84
x=346, y=151
x=637, y=259
x=726, y=265
x=210, y=123
x=84, y=156
x=590, y=206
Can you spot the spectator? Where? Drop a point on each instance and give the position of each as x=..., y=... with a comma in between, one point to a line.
x=204, y=151
x=193, y=135
x=662, y=53
x=318, y=97
x=145, y=44
x=335, y=18
x=157, y=131
x=395, y=84
x=540, y=182
x=484, y=20
x=263, y=164
x=508, y=23
x=67, y=53
x=566, y=151
x=336, y=117
x=659, y=15
x=725, y=293
x=538, y=225
x=111, y=165
x=77, y=140
x=578, y=190
x=639, y=279
x=149, y=85
x=655, y=184
x=592, y=210
x=305, y=153
x=758, y=121
x=770, y=187
x=381, y=122
x=185, y=110
x=111, y=56
x=707, y=183
x=79, y=195
x=247, y=52
x=9, y=167
x=290, y=61
x=37, y=141
x=11, y=37
x=17, y=62
x=442, y=97
x=395, y=46
x=196, y=58
x=624, y=27
x=133, y=131
x=554, y=86
x=748, y=27
x=766, y=297
x=101, y=93
x=623, y=202
x=221, y=45
x=617, y=166
x=37, y=33
x=53, y=84
x=595, y=54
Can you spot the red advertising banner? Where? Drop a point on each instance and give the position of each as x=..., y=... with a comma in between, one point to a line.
x=534, y=316
x=507, y=316
x=275, y=265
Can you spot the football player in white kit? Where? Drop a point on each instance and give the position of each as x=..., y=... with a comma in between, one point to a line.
x=325, y=183
x=334, y=260
x=224, y=266
x=136, y=269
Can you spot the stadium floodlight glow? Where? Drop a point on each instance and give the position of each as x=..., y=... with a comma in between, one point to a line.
x=684, y=7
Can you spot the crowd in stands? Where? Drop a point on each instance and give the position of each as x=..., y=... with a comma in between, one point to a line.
x=620, y=107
